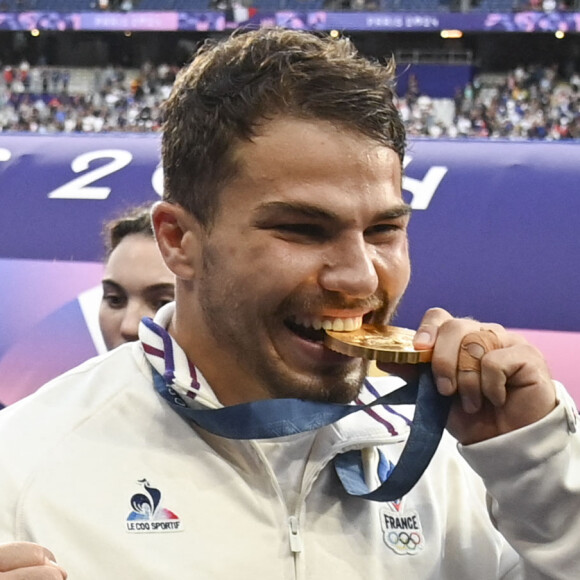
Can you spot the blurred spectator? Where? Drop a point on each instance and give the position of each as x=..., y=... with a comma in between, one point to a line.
x=8, y=76
x=120, y=5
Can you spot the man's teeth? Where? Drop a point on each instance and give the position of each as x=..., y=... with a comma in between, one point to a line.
x=336, y=324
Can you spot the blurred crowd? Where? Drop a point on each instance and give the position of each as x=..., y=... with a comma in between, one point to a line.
x=39, y=100
x=526, y=103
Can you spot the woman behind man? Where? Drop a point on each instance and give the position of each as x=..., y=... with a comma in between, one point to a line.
x=136, y=282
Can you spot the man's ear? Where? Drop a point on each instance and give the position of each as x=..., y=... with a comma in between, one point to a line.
x=178, y=236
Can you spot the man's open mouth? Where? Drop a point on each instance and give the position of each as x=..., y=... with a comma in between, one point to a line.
x=312, y=328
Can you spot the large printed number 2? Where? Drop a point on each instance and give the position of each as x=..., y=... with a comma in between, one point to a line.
x=80, y=187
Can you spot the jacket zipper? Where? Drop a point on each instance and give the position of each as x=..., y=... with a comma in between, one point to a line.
x=294, y=533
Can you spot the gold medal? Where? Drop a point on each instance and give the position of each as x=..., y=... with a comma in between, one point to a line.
x=389, y=344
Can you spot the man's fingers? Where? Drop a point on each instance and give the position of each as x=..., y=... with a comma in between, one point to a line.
x=460, y=346
x=20, y=559
x=23, y=554
x=470, y=361
x=474, y=347
x=514, y=365
x=501, y=382
x=426, y=334
x=48, y=572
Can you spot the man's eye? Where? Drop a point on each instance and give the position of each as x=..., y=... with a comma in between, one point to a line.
x=383, y=230
x=306, y=230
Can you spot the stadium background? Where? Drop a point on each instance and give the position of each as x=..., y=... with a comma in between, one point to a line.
x=495, y=231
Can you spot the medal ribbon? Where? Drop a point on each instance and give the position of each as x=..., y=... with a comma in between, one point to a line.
x=270, y=418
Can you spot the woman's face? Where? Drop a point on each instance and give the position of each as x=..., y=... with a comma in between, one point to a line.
x=136, y=283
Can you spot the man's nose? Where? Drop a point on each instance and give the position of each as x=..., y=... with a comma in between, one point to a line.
x=350, y=269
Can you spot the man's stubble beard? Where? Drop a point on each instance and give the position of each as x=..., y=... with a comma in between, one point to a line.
x=334, y=384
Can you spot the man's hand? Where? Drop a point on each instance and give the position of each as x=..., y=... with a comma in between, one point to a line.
x=27, y=561
x=508, y=388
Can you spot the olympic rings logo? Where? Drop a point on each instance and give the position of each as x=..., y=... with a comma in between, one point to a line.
x=403, y=542
x=404, y=539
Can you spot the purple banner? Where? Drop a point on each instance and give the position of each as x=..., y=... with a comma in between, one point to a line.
x=392, y=21
x=494, y=235
x=319, y=20
x=432, y=21
x=129, y=20
x=70, y=185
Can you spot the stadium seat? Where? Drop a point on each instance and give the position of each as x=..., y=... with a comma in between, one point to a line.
x=155, y=5
x=496, y=6
x=414, y=5
x=304, y=4
x=61, y=5
x=191, y=5
x=269, y=5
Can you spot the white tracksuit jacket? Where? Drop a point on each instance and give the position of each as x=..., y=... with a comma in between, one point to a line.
x=97, y=467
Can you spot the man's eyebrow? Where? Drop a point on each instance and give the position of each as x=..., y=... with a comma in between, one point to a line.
x=308, y=210
x=397, y=211
x=297, y=207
